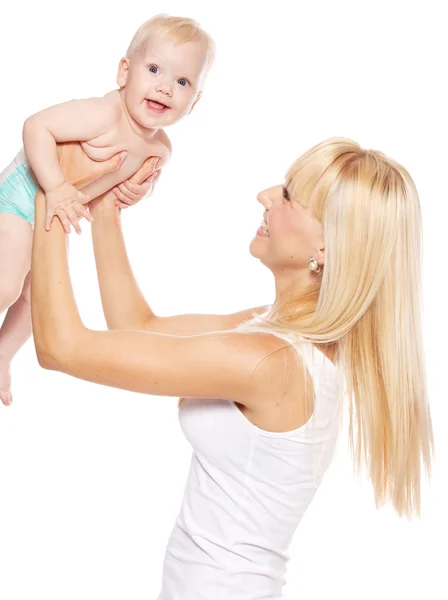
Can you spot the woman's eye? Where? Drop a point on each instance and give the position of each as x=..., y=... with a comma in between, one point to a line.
x=285, y=193
x=154, y=69
x=183, y=82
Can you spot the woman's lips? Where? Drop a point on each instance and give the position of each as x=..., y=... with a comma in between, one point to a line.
x=261, y=232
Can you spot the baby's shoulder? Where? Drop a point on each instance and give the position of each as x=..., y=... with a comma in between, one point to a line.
x=163, y=139
x=113, y=102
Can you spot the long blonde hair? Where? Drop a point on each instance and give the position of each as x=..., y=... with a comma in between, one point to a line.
x=366, y=304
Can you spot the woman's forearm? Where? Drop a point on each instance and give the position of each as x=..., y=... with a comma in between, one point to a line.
x=123, y=303
x=55, y=316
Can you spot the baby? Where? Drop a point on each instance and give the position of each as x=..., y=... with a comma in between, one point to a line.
x=160, y=81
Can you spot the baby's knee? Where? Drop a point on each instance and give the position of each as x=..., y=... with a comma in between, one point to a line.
x=9, y=293
x=26, y=290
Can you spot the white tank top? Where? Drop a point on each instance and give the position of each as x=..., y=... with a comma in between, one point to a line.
x=246, y=492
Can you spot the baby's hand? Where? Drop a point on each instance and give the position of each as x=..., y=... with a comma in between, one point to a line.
x=66, y=203
x=129, y=193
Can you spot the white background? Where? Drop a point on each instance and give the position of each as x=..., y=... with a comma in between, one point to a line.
x=91, y=478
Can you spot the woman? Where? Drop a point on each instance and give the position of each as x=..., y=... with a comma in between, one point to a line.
x=262, y=388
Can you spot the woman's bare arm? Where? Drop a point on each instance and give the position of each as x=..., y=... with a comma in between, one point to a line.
x=124, y=305
x=235, y=366
x=218, y=365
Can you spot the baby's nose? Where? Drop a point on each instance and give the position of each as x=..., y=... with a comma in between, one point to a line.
x=165, y=88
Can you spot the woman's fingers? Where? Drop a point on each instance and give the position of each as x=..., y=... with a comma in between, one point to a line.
x=151, y=180
x=96, y=169
x=147, y=168
x=119, y=194
x=153, y=176
x=135, y=194
x=134, y=189
x=132, y=193
x=112, y=164
x=121, y=204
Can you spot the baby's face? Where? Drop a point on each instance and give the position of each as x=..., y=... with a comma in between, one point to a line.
x=163, y=81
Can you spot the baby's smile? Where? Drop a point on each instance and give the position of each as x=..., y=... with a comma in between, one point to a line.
x=157, y=107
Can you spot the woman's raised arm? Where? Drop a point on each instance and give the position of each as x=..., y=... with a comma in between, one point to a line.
x=123, y=303
x=218, y=365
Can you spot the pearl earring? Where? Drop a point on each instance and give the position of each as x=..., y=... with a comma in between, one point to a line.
x=314, y=265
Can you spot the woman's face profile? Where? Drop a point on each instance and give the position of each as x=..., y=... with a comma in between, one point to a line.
x=293, y=234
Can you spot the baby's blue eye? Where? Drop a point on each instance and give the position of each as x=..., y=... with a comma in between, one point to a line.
x=183, y=82
x=153, y=69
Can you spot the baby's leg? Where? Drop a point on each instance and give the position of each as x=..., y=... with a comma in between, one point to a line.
x=16, y=237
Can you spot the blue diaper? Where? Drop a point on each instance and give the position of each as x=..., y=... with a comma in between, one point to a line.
x=18, y=189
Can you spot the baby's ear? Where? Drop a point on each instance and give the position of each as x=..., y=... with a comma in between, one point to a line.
x=123, y=71
x=196, y=101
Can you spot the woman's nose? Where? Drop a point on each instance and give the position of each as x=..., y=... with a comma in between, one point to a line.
x=264, y=199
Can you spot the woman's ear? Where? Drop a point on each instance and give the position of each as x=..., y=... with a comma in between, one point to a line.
x=320, y=256
x=123, y=71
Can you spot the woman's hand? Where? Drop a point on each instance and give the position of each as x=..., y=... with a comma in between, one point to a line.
x=138, y=186
x=79, y=169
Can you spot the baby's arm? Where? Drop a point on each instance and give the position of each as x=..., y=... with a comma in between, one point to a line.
x=77, y=120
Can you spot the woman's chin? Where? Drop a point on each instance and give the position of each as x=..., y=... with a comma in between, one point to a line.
x=255, y=248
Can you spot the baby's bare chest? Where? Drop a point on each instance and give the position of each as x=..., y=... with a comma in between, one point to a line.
x=107, y=145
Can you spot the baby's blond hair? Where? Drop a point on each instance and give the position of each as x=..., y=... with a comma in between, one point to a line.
x=180, y=29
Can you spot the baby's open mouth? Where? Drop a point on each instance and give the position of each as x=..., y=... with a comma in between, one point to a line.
x=155, y=106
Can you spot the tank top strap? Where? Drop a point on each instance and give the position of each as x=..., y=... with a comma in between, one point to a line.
x=304, y=348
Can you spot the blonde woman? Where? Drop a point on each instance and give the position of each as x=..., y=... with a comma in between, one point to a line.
x=262, y=388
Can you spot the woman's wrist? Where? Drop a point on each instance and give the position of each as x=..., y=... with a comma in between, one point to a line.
x=104, y=206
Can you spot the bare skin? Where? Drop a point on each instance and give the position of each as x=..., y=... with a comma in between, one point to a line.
x=159, y=84
x=16, y=233
x=104, y=129
x=245, y=368
x=16, y=236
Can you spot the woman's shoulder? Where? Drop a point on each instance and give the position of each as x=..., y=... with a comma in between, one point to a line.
x=278, y=368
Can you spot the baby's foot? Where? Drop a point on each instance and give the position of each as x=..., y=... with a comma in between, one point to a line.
x=5, y=383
